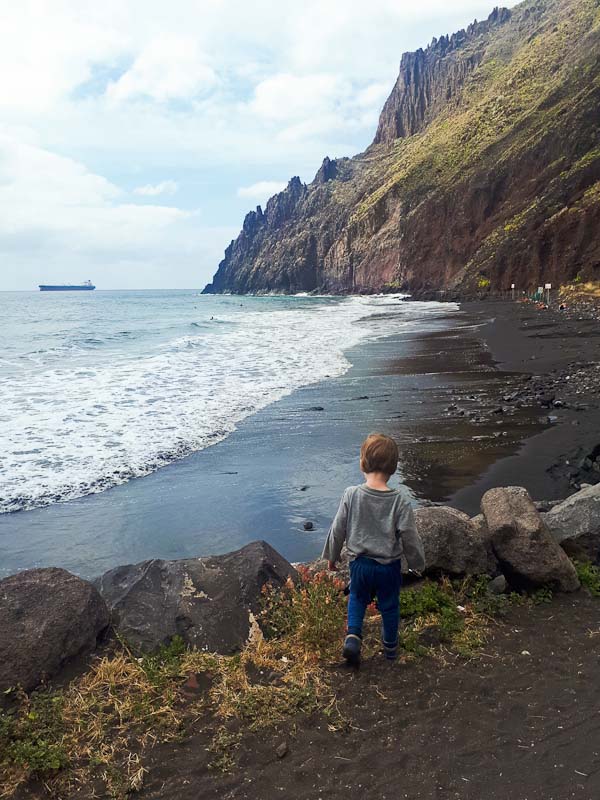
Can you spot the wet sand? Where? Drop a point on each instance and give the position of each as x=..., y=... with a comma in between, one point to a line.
x=562, y=356
x=435, y=392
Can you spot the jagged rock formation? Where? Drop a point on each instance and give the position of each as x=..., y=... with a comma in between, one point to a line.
x=485, y=170
x=430, y=78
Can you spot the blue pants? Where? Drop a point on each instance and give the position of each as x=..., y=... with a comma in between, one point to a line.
x=370, y=579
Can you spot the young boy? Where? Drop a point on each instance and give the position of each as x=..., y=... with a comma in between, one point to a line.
x=378, y=526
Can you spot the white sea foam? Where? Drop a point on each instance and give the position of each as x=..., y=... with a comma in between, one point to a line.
x=75, y=426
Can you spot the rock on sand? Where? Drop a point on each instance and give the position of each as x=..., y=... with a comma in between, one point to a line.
x=528, y=554
x=452, y=543
x=210, y=602
x=575, y=524
x=47, y=618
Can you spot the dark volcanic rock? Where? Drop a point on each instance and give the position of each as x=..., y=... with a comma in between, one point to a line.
x=575, y=524
x=47, y=618
x=209, y=602
x=452, y=543
x=527, y=553
x=327, y=171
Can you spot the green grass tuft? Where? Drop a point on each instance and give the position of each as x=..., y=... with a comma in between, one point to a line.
x=589, y=576
x=33, y=738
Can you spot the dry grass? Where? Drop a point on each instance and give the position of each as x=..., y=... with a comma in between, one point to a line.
x=99, y=729
x=109, y=718
x=589, y=290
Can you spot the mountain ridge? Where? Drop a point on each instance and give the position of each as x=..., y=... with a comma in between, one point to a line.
x=484, y=171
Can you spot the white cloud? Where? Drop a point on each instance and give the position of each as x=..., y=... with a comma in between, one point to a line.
x=59, y=217
x=37, y=185
x=375, y=94
x=61, y=197
x=99, y=96
x=153, y=190
x=169, y=67
x=47, y=55
x=261, y=190
x=286, y=96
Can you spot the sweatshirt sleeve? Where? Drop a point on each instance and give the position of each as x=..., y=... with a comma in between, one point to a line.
x=412, y=546
x=337, y=533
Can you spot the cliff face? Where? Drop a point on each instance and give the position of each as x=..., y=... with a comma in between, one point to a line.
x=431, y=79
x=484, y=171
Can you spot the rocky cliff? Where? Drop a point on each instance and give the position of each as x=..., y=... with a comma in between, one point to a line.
x=484, y=171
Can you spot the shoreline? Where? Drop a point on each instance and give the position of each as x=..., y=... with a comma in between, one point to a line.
x=562, y=355
x=289, y=462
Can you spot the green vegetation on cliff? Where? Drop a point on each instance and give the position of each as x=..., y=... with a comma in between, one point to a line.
x=486, y=166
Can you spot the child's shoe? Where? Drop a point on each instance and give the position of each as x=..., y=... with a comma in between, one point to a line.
x=390, y=650
x=351, y=651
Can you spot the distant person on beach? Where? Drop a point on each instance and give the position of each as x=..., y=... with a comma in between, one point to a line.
x=378, y=526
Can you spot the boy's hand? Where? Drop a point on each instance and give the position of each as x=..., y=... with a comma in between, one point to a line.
x=331, y=566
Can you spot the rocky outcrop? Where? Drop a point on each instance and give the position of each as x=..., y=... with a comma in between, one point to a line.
x=485, y=171
x=328, y=170
x=48, y=617
x=210, y=602
x=528, y=555
x=575, y=524
x=452, y=543
x=430, y=79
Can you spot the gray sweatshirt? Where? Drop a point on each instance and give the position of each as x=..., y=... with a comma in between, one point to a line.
x=379, y=525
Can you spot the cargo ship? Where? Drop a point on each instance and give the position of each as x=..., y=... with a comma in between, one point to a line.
x=87, y=286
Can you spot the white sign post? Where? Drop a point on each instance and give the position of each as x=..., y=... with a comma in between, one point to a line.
x=547, y=287
x=512, y=291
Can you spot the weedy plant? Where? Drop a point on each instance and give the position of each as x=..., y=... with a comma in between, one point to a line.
x=589, y=576
x=454, y=616
x=100, y=727
x=307, y=618
x=32, y=739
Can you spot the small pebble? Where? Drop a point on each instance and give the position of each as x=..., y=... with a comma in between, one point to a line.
x=281, y=750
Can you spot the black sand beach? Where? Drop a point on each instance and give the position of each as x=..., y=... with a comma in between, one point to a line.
x=444, y=394
x=511, y=715
x=518, y=722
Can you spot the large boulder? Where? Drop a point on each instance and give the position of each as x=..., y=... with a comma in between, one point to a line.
x=483, y=534
x=527, y=553
x=575, y=524
x=210, y=602
x=452, y=543
x=47, y=618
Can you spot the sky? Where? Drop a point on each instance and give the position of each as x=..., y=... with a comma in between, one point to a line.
x=136, y=134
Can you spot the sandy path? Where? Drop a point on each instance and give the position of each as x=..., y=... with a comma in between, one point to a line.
x=505, y=726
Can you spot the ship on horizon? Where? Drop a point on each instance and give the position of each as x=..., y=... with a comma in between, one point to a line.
x=83, y=287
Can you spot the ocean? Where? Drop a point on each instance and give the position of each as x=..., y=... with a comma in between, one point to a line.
x=98, y=388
